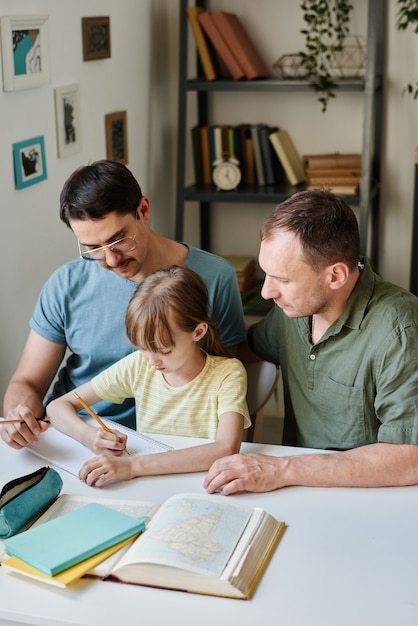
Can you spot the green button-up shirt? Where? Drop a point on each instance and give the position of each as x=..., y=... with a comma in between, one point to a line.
x=359, y=384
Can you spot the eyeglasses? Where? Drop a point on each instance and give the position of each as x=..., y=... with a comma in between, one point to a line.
x=120, y=246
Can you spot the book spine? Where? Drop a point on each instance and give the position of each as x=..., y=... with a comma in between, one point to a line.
x=248, y=163
x=221, y=47
x=333, y=180
x=332, y=160
x=197, y=155
x=259, y=170
x=288, y=156
x=201, y=43
x=206, y=164
x=266, y=156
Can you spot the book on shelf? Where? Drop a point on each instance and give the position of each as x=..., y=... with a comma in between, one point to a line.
x=247, y=153
x=288, y=155
x=69, y=454
x=221, y=47
x=240, y=44
x=273, y=169
x=332, y=160
x=205, y=153
x=60, y=543
x=258, y=161
x=197, y=155
x=333, y=180
x=333, y=171
x=202, y=46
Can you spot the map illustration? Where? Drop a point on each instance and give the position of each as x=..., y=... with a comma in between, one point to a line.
x=195, y=534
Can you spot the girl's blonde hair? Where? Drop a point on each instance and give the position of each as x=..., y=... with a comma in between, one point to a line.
x=170, y=299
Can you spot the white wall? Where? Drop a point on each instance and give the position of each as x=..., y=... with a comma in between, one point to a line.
x=141, y=78
x=137, y=78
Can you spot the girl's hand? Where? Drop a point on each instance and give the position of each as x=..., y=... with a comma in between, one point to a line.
x=101, y=441
x=104, y=468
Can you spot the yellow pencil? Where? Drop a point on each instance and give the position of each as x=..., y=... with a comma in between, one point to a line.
x=92, y=413
x=96, y=417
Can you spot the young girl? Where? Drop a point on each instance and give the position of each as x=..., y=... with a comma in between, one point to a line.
x=182, y=381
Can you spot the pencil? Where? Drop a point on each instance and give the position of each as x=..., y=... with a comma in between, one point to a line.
x=96, y=417
x=92, y=413
x=20, y=420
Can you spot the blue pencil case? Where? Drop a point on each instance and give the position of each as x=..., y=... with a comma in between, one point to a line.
x=23, y=499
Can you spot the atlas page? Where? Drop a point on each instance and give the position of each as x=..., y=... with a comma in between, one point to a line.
x=69, y=454
x=202, y=544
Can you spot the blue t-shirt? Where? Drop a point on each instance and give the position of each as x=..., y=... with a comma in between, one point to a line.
x=83, y=306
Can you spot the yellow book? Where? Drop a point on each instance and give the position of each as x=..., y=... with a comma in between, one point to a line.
x=201, y=43
x=289, y=158
x=13, y=564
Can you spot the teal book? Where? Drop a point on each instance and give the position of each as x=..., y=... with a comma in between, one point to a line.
x=71, y=538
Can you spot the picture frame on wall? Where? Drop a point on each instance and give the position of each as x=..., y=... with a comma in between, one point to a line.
x=25, y=51
x=29, y=162
x=116, y=137
x=67, y=117
x=96, y=38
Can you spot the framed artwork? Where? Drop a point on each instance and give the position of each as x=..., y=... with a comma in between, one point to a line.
x=29, y=162
x=116, y=137
x=67, y=116
x=96, y=38
x=25, y=51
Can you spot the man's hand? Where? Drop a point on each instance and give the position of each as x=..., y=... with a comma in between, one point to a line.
x=244, y=472
x=26, y=433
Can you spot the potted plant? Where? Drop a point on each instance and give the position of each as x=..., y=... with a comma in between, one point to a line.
x=327, y=26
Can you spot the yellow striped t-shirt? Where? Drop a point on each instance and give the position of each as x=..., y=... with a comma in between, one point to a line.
x=192, y=410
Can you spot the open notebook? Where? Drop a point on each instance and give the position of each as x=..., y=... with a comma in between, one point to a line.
x=68, y=454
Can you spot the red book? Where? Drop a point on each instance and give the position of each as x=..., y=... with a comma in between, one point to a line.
x=221, y=47
x=240, y=44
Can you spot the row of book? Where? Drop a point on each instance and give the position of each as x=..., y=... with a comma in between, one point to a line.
x=224, y=46
x=266, y=154
x=337, y=171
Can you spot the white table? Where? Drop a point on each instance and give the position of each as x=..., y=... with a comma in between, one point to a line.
x=348, y=557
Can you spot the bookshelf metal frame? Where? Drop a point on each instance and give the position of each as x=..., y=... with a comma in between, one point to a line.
x=368, y=198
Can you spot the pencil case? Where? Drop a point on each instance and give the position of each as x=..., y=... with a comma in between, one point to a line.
x=23, y=499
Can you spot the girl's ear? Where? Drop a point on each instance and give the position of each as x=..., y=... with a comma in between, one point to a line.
x=200, y=331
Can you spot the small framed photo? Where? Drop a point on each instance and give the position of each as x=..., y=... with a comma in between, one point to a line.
x=67, y=116
x=25, y=51
x=29, y=162
x=96, y=38
x=116, y=137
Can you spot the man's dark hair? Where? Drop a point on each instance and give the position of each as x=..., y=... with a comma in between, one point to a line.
x=326, y=226
x=94, y=190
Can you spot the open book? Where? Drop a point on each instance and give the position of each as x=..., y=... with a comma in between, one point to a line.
x=197, y=543
x=69, y=454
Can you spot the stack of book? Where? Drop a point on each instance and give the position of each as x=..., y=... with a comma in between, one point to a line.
x=266, y=154
x=245, y=269
x=339, y=172
x=224, y=46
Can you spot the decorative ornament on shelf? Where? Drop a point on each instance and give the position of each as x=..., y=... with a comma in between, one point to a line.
x=327, y=26
x=289, y=67
x=350, y=61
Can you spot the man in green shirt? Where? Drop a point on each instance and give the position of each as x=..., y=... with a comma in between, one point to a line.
x=346, y=343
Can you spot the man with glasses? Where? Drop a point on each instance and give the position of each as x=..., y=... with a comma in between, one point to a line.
x=82, y=306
